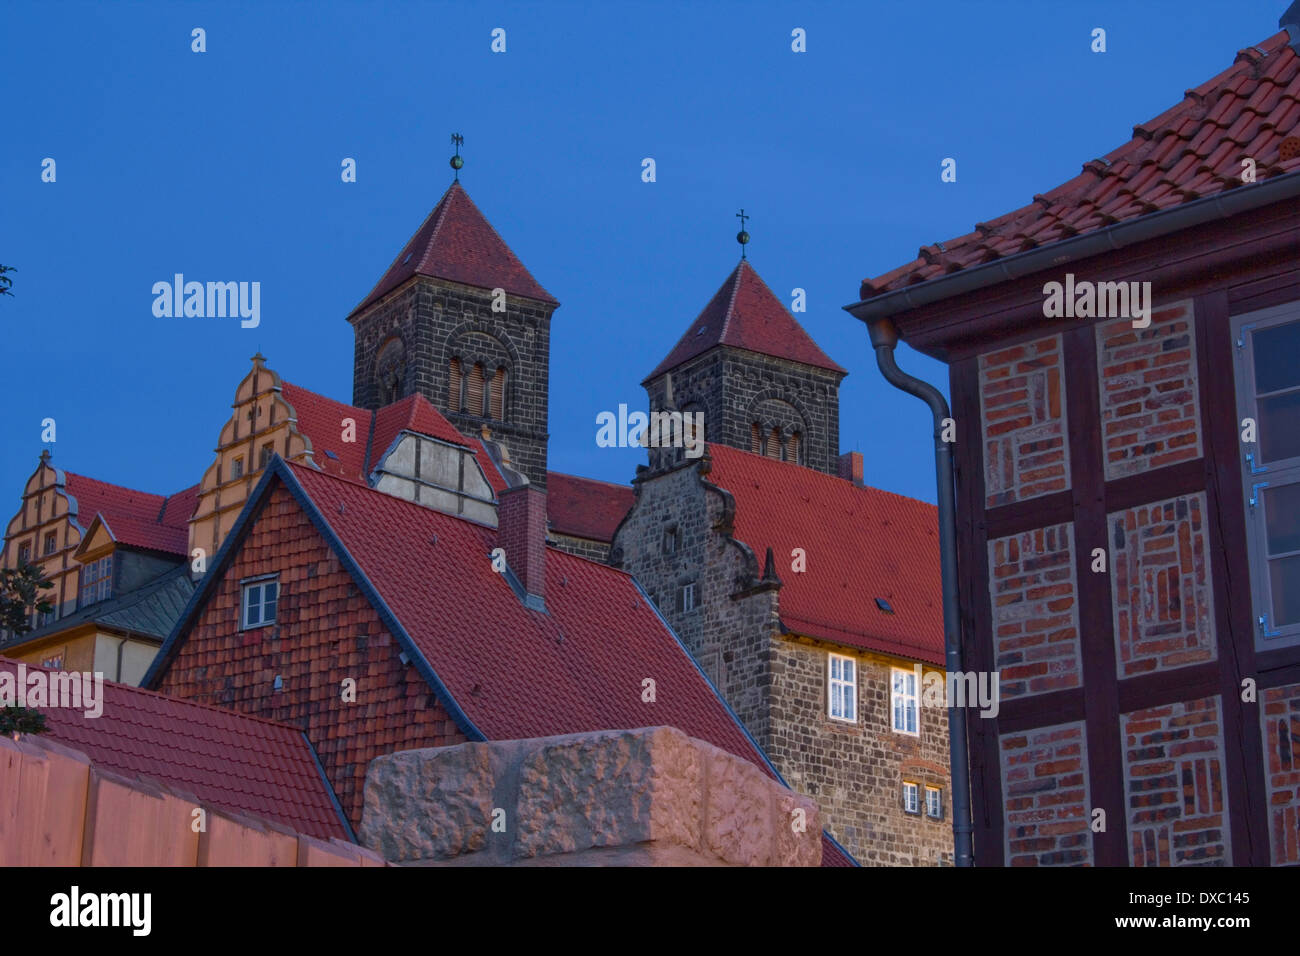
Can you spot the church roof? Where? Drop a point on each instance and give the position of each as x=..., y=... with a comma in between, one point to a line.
x=860, y=544
x=745, y=314
x=585, y=507
x=235, y=762
x=456, y=242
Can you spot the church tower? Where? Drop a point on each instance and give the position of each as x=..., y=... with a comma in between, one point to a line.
x=760, y=380
x=459, y=319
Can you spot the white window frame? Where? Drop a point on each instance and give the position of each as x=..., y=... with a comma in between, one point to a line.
x=99, y=587
x=846, y=685
x=911, y=798
x=934, y=807
x=246, y=623
x=895, y=696
x=1258, y=477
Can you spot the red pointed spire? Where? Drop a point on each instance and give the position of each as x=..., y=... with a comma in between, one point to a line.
x=456, y=242
x=745, y=314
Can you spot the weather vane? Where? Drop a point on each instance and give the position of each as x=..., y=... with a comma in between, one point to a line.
x=456, y=161
x=742, y=237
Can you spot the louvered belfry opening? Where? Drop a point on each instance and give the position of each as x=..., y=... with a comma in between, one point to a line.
x=454, y=401
x=497, y=395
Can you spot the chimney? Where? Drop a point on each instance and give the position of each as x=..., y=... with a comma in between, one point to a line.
x=851, y=467
x=1290, y=22
x=521, y=532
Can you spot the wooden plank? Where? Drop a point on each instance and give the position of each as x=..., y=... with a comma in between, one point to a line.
x=1093, y=598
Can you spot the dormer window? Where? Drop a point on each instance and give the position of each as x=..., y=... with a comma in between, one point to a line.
x=97, y=581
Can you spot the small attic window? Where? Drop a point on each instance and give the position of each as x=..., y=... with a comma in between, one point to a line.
x=408, y=258
x=884, y=605
x=701, y=330
x=330, y=454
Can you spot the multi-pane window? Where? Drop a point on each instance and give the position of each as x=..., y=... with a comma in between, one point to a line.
x=24, y=552
x=911, y=798
x=1268, y=394
x=843, y=688
x=688, y=597
x=259, y=601
x=237, y=468
x=934, y=803
x=268, y=452
x=903, y=702
x=97, y=580
x=51, y=542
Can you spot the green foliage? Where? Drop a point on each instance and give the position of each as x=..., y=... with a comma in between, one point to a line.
x=21, y=720
x=20, y=594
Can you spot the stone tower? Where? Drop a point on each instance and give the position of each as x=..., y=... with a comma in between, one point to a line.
x=459, y=319
x=760, y=380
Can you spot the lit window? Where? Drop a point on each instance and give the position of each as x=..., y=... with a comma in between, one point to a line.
x=902, y=701
x=934, y=803
x=688, y=597
x=51, y=542
x=97, y=581
x=260, y=598
x=843, y=688
x=911, y=798
x=1268, y=393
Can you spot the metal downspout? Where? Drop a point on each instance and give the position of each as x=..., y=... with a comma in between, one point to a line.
x=883, y=339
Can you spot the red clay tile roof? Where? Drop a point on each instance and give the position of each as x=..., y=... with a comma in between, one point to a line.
x=320, y=419
x=490, y=470
x=746, y=315
x=1190, y=151
x=456, y=242
x=136, y=518
x=414, y=413
x=238, y=763
x=585, y=507
x=860, y=544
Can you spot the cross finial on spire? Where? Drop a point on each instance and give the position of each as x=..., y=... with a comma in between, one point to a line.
x=456, y=161
x=742, y=237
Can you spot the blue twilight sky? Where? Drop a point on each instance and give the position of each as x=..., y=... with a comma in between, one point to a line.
x=225, y=165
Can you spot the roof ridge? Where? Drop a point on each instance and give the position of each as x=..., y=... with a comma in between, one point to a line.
x=440, y=211
x=727, y=313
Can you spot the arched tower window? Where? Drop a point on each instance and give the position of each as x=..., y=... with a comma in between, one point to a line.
x=755, y=439
x=390, y=370
x=773, y=449
x=792, y=448
x=474, y=390
x=455, y=400
x=497, y=395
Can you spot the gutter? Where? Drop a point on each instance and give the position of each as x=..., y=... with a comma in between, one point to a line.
x=884, y=337
x=1221, y=205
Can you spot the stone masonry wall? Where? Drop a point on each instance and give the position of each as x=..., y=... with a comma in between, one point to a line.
x=435, y=320
x=728, y=637
x=855, y=771
x=732, y=385
x=325, y=631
